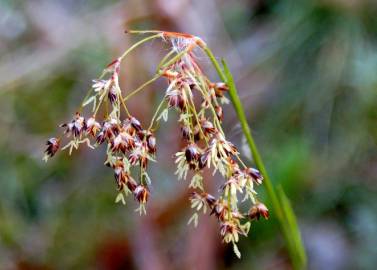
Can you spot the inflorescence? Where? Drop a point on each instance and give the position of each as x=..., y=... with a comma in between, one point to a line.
x=129, y=145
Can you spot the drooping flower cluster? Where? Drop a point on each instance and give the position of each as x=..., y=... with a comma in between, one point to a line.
x=205, y=144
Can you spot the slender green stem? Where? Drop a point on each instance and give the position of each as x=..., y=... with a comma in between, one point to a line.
x=122, y=100
x=166, y=57
x=88, y=93
x=156, y=113
x=174, y=59
x=137, y=44
x=283, y=211
x=156, y=76
x=141, y=87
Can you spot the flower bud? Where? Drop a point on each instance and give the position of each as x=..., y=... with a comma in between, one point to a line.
x=192, y=153
x=92, y=126
x=257, y=211
x=254, y=174
x=141, y=194
x=53, y=145
x=151, y=143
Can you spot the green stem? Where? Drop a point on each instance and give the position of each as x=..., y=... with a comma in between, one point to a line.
x=156, y=113
x=283, y=211
x=141, y=87
x=137, y=44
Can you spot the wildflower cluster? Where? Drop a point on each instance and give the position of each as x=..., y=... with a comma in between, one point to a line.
x=198, y=101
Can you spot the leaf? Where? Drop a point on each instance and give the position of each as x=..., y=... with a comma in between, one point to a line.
x=295, y=235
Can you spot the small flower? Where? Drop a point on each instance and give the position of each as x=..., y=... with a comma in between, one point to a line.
x=185, y=132
x=135, y=123
x=151, y=143
x=192, y=153
x=203, y=160
x=92, y=126
x=141, y=194
x=182, y=165
x=257, y=211
x=120, y=175
x=53, y=145
x=176, y=99
x=99, y=85
x=220, y=88
x=198, y=202
x=132, y=125
x=207, y=127
x=118, y=144
x=109, y=130
x=232, y=186
x=229, y=231
x=112, y=95
x=255, y=175
x=211, y=201
x=139, y=155
x=100, y=138
x=201, y=200
x=220, y=210
x=76, y=126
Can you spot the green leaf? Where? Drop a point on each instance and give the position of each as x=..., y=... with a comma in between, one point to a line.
x=295, y=235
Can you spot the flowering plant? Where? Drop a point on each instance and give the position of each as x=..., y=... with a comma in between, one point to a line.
x=129, y=144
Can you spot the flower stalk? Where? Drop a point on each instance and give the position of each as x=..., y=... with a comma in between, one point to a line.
x=280, y=204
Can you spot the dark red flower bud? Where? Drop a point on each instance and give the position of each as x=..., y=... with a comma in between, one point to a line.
x=207, y=127
x=100, y=138
x=254, y=174
x=257, y=211
x=192, y=153
x=185, y=132
x=135, y=123
x=112, y=95
x=134, y=157
x=118, y=144
x=220, y=88
x=176, y=99
x=209, y=199
x=92, y=126
x=220, y=210
x=120, y=175
x=76, y=126
x=141, y=194
x=53, y=145
x=109, y=130
x=203, y=160
x=151, y=143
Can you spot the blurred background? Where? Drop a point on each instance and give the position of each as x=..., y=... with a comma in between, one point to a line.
x=306, y=72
